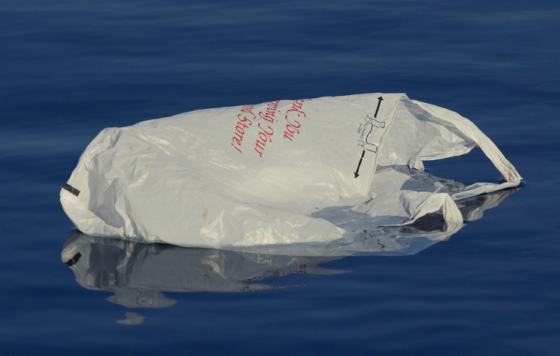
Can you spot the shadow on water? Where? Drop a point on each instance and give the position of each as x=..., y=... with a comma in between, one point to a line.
x=138, y=273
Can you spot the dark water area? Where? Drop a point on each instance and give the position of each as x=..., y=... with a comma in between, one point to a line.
x=69, y=69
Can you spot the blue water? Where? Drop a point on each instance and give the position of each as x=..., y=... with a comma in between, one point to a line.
x=68, y=69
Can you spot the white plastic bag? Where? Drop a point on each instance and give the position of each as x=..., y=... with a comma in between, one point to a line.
x=282, y=172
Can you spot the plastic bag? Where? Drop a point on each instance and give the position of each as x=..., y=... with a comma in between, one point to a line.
x=284, y=172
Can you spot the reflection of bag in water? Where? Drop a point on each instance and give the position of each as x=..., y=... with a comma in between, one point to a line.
x=138, y=274
x=283, y=172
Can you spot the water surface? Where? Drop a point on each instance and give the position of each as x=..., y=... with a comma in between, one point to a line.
x=70, y=69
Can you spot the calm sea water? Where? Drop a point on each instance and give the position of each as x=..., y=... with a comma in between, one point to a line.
x=68, y=69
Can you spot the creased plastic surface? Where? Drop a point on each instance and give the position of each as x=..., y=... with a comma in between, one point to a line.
x=284, y=172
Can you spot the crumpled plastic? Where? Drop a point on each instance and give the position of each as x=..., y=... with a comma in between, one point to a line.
x=285, y=172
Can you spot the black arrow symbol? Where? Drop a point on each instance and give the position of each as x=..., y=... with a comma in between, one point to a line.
x=359, y=164
x=378, y=105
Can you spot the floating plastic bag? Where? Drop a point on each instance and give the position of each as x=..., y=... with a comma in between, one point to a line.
x=284, y=172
